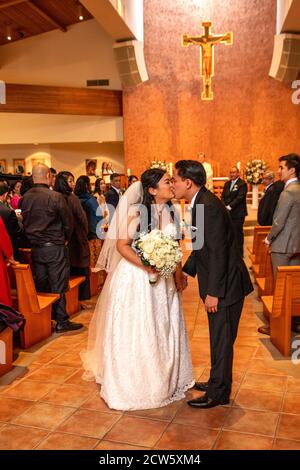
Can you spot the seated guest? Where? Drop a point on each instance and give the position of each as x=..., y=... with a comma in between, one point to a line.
x=11, y=223
x=79, y=251
x=16, y=196
x=94, y=215
x=234, y=197
x=6, y=254
x=268, y=203
x=113, y=194
x=132, y=179
x=48, y=226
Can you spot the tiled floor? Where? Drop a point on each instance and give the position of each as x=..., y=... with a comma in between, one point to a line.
x=51, y=407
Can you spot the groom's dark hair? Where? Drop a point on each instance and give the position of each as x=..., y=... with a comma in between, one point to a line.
x=191, y=170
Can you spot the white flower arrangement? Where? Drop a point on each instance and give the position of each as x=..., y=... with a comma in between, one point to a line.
x=254, y=171
x=158, y=164
x=160, y=251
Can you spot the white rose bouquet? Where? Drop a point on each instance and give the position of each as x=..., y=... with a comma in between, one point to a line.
x=254, y=171
x=159, y=251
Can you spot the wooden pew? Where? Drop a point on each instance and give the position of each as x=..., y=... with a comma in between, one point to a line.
x=256, y=257
x=74, y=283
x=36, y=307
x=72, y=300
x=265, y=282
x=284, y=304
x=97, y=279
x=257, y=228
x=6, y=351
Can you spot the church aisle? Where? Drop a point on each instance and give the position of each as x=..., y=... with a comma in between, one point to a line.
x=51, y=407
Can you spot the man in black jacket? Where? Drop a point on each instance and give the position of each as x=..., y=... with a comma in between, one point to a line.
x=268, y=203
x=222, y=276
x=113, y=194
x=234, y=196
x=11, y=223
x=48, y=226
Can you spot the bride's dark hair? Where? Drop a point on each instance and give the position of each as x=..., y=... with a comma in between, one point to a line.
x=150, y=179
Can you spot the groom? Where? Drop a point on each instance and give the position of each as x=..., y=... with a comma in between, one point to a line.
x=222, y=276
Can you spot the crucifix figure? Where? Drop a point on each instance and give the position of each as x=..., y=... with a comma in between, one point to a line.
x=207, y=43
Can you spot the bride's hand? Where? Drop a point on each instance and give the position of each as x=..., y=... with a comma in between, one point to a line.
x=150, y=270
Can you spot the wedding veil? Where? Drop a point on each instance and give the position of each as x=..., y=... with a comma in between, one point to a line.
x=119, y=228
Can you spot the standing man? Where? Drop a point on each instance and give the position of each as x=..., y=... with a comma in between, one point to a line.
x=113, y=194
x=268, y=203
x=222, y=275
x=234, y=196
x=48, y=226
x=53, y=173
x=284, y=237
x=208, y=170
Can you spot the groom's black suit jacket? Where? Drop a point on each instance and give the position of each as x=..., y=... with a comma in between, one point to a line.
x=218, y=264
x=236, y=198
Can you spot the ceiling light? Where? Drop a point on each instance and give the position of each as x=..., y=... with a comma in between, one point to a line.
x=80, y=12
x=8, y=33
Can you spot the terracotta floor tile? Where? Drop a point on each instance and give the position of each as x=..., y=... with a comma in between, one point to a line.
x=96, y=403
x=89, y=423
x=264, y=382
x=285, y=444
x=68, y=395
x=178, y=436
x=289, y=427
x=61, y=441
x=47, y=356
x=52, y=374
x=137, y=431
x=29, y=390
x=10, y=408
x=20, y=438
x=250, y=421
x=293, y=385
x=258, y=400
x=230, y=440
x=166, y=413
x=261, y=366
x=211, y=418
x=69, y=358
x=107, y=445
x=76, y=379
x=45, y=416
x=291, y=403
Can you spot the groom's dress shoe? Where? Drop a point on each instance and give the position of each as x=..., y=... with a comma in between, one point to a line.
x=206, y=402
x=201, y=386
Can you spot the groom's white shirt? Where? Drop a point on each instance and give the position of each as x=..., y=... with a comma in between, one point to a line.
x=193, y=200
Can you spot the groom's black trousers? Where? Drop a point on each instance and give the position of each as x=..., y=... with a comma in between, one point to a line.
x=223, y=328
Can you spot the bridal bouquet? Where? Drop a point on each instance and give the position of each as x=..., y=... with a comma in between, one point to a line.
x=254, y=171
x=160, y=251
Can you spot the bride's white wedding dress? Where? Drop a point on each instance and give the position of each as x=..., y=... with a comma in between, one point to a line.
x=138, y=346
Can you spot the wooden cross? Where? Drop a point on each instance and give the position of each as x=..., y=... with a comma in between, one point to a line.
x=207, y=43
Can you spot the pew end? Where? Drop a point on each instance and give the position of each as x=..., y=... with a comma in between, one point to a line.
x=72, y=295
x=36, y=307
x=6, y=351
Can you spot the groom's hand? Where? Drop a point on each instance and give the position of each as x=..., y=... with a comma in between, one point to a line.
x=180, y=281
x=211, y=304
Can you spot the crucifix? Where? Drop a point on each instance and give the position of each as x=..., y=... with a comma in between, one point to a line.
x=207, y=42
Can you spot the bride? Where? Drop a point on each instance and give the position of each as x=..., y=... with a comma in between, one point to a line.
x=138, y=347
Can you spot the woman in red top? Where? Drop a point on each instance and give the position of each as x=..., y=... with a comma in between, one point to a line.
x=6, y=253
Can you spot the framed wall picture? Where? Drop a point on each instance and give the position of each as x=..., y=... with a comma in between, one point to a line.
x=19, y=166
x=91, y=167
x=3, y=166
x=35, y=161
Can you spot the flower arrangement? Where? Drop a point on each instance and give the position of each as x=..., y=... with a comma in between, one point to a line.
x=254, y=171
x=158, y=164
x=160, y=251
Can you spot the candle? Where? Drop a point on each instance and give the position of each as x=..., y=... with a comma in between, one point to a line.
x=238, y=165
x=171, y=169
x=128, y=172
